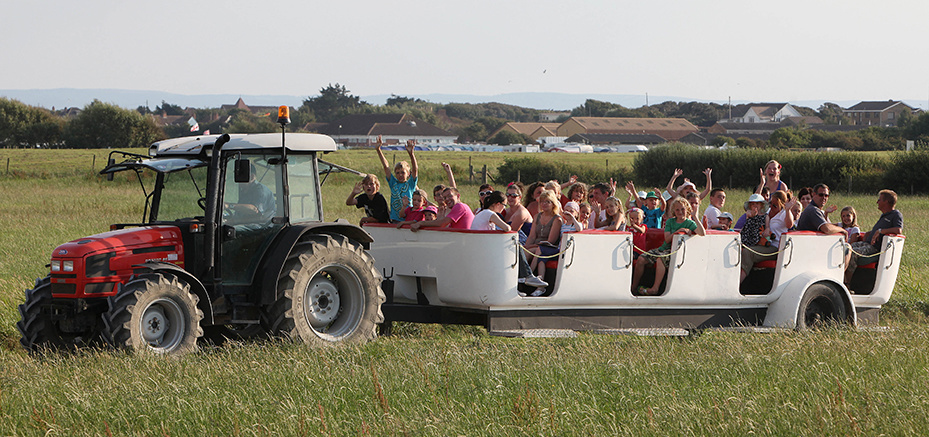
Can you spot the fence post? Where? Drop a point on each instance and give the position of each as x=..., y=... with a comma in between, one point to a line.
x=93, y=163
x=470, y=171
x=518, y=176
x=484, y=174
x=8, y=167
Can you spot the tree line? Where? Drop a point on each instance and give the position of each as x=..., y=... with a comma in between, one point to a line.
x=101, y=125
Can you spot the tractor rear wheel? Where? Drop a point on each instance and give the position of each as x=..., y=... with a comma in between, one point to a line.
x=328, y=292
x=821, y=306
x=154, y=312
x=43, y=327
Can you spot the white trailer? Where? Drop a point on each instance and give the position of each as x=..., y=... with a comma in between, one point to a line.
x=470, y=277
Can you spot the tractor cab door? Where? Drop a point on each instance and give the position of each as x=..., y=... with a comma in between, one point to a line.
x=253, y=214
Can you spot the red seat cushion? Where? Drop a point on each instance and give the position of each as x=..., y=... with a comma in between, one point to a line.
x=872, y=266
x=654, y=238
x=551, y=264
x=768, y=264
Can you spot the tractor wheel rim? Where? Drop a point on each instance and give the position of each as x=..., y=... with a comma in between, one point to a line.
x=163, y=324
x=334, y=302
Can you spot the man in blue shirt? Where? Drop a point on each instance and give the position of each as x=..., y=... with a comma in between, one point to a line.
x=891, y=222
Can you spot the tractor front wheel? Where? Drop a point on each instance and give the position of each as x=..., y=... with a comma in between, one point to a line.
x=56, y=324
x=154, y=312
x=328, y=292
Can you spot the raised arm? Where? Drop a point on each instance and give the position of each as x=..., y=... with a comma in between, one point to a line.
x=709, y=183
x=414, y=171
x=677, y=173
x=451, y=176
x=380, y=154
x=355, y=191
x=630, y=188
x=761, y=185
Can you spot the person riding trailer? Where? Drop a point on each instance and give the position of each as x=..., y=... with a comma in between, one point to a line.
x=890, y=222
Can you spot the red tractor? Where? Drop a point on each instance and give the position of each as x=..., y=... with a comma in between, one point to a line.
x=232, y=244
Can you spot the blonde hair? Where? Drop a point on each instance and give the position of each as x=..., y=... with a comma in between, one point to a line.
x=402, y=164
x=552, y=197
x=553, y=185
x=372, y=178
x=851, y=209
x=687, y=209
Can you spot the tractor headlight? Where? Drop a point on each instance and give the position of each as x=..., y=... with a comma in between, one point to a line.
x=67, y=266
x=56, y=266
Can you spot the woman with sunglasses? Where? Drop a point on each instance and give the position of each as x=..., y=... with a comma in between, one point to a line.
x=482, y=194
x=517, y=216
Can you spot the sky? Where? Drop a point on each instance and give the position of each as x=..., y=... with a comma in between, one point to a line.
x=707, y=50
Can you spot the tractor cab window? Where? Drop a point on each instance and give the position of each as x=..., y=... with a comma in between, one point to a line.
x=304, y=188
x=181, y=193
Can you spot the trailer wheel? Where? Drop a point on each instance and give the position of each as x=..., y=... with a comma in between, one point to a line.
x=39, y=330
x=328, y=292
x=821, y=305
x=154, y=312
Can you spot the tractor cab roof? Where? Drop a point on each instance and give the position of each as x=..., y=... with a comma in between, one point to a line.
x=193, y=145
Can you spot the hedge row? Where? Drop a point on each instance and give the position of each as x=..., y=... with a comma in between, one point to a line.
x=530, y=169
x=903, y=172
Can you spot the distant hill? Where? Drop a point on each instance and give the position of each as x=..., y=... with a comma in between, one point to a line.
x=131, y=99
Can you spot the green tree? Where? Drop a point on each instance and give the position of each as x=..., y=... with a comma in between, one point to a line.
x=506, y=138
x=169, y=109
x=334, y=102
x=244, y=122
x=102, y=125
x=472, y=132
x=832, y=113
x=22, y=125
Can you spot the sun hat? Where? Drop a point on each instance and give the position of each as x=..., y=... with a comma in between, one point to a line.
x=651, y=195
x=641, y=194
x=432, y=209
x=573, y=205
x=687, y=184
x=725, y=215
x=754, y=198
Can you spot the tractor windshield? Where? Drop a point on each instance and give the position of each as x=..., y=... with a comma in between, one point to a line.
x=181, y=194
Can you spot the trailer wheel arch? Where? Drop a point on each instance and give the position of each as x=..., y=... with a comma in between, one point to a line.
x=784, y=311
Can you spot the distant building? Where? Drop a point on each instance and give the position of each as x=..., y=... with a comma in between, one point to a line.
x=761, y=113
x=670, y=129
x=552, y=117
x=616, y=139
x=532, y=130
x=362, y=130
x=877, y=113
x=257, y=110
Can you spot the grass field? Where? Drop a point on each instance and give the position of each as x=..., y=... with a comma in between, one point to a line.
x=438, y=380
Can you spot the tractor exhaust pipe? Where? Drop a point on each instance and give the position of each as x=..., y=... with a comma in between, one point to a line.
x=212, y=206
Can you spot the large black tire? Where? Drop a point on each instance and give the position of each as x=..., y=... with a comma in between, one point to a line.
x=328, y=292
x=154, y=312
x=821, y=306
x=39, y=331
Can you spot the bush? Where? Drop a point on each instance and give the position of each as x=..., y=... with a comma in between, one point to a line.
x=907, y=171
x=739, y=168
x=530, y=169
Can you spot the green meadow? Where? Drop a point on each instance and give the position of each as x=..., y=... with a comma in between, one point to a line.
x=448, y=380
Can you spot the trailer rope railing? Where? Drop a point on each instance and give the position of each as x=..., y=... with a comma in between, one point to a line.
x=568, y=245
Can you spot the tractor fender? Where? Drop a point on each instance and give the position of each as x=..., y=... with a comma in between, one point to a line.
x=273, y=265
x=783, y=312
x=204, y=303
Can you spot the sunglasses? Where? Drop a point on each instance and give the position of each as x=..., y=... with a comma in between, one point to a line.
x=512, y=195
x=484, y=193
x=822, y=194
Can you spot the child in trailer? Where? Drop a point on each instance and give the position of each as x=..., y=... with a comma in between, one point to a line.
x=652, y=206
x=779, y=219
x=583, y=214
x=638, y=230
x=725, y=222
x=755, y=248
x=850, y=224
x=615, y=220
x=545, y=234
x=430, y=213
x=402, y=180
x=365, y=195
x=414, y=212
x=712, y=212
x=569, y=215
x=689, y=186
x=488, y=219
x=677, y=223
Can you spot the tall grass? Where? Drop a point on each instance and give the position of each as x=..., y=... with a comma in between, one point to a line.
x=435, y=380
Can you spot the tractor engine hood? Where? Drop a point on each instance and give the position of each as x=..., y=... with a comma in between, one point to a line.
x=91, y=266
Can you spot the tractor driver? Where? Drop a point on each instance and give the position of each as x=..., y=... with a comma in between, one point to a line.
x=256, y=202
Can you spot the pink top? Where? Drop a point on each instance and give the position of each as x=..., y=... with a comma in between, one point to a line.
x=461, y=216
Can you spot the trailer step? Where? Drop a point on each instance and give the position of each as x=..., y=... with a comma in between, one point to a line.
x=645, y=332
x=535, y=333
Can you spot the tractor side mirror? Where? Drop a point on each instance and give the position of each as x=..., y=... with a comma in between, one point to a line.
x=109, y=162
x=242, y=171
